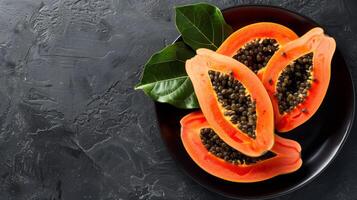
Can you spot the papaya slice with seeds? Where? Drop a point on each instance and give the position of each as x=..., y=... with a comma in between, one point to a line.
x=214, y=156
x=234, y=101
x=255, y=44
x=297, y=78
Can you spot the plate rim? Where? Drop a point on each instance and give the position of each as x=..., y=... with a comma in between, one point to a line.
x=331, y=159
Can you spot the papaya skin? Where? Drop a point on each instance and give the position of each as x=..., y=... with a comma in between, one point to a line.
x=197, y=69
x=286, y=160
x=323, y=48
x=260, y=30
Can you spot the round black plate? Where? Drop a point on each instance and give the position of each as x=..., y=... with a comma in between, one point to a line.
x=321, y=137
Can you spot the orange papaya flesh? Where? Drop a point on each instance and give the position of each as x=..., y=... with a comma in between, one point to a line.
x=253, y=45
x=297, y=78
x=234, y=101
x=229, y=164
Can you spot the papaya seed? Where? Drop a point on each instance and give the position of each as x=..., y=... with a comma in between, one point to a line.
x=257, y=53
x=219, y=148
x=234, y=99
x=294, y=83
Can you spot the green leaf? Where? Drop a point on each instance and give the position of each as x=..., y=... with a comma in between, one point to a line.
x=165, y=78
x=202, y=25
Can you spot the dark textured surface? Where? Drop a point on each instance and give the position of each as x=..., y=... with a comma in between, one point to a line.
x=72, y=127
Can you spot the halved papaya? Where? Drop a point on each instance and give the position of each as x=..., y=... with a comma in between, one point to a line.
x=297, y=78
x=234, y=101
x=255, y=44
x=214, y=156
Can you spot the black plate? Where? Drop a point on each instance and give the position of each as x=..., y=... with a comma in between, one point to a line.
x=321, y=137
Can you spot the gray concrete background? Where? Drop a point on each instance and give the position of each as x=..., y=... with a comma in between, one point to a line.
x=73, y=128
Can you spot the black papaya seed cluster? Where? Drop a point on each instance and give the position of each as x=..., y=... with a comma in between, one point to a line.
x=257, y=53
x=216, y=146
x=294, y=83
x=235, y=100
